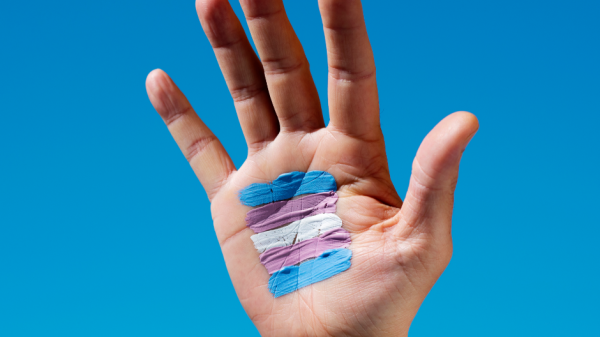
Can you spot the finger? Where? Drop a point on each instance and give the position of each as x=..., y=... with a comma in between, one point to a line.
x=430, y=198
x=286, y=68
x=242, y=70
x=206, y=155
x=353, y=99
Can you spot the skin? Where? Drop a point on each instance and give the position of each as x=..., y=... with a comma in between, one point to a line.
x=399, y=248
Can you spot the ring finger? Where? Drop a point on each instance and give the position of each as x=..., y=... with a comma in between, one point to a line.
x=242, y=71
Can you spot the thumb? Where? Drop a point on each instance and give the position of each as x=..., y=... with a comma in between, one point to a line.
x=430, y=197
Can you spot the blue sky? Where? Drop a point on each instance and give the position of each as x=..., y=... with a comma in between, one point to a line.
x=105, y=230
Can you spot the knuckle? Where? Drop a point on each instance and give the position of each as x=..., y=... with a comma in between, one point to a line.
x=198, y=146
x=247, y=92
x=261, y=9
x=351, y=74
x=282, y=65
x=174, y=113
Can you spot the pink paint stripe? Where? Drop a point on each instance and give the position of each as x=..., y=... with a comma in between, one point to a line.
x=276, y=258
x=280, y=213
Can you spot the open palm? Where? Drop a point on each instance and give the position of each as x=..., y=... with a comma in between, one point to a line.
x=399, y=249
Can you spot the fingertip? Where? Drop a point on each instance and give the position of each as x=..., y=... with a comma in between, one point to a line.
x=442, y=149
x=467, y=120
x=165, y=96
x=458, y=127
x=470, y=126
x=153, y=80
x=198, y=5
x=208, y=8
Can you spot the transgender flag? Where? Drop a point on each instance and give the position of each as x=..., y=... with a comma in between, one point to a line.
x=300, y=238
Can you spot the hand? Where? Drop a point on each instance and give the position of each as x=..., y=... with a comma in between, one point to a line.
x=399, y=249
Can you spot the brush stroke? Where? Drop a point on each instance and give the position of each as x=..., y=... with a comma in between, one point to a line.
x=286, y=186
x=328, y=264
x=296, y=232
x=280, y=213
x=277, y=258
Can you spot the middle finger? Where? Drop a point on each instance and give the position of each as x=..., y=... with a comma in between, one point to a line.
x=292, y=89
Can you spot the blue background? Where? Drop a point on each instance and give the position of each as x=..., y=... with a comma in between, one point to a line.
x=105, y=231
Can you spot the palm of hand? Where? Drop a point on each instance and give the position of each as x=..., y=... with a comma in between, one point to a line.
x=399, y=250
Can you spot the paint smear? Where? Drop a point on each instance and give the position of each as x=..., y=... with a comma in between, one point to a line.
x=286, y=186
x=328, y=264
x=299, y=231
x=277, y=258
x=280, y=213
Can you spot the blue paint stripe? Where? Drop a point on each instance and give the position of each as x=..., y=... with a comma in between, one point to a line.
x=328, y=264
x=287, y=186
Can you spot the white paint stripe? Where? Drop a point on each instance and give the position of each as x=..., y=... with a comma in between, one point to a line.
x=300, y=230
